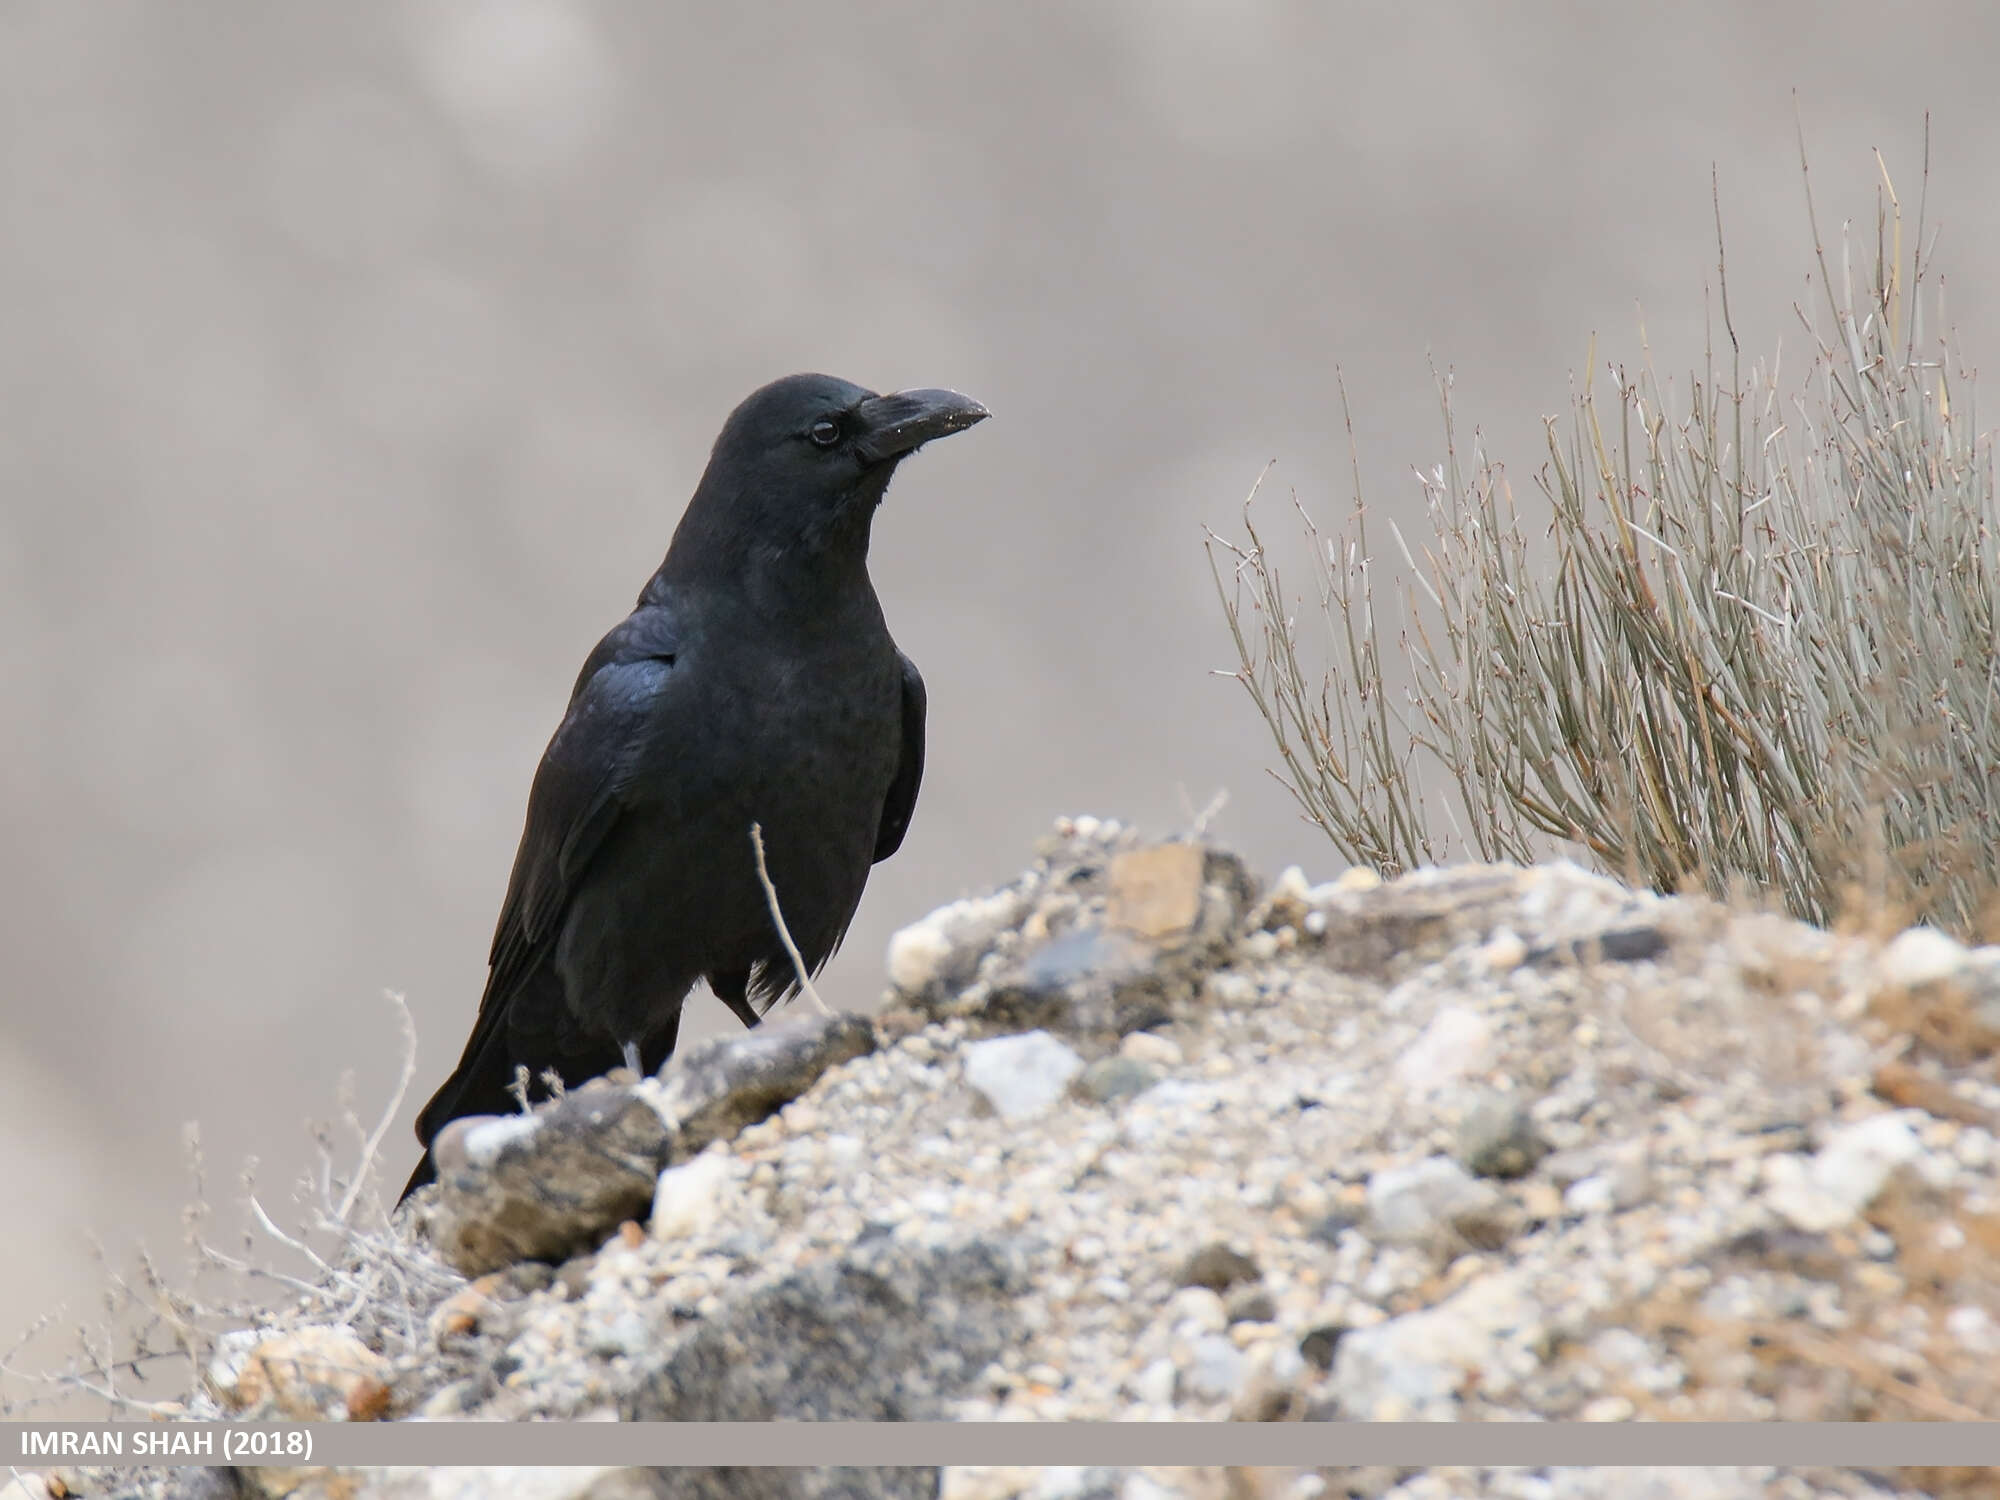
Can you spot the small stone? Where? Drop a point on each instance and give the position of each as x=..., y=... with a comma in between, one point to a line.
x=942, y=950
x=1608, y=1409
x=1974, y=1328
x=1155, y=1384
x=1498, y=1136
x=1504, y=951
x=1021, y=1076
x=1409, y=1205
x=1218, y=1267
x=1844, y=1177
x=1415, y=1365
x=466, y=1310
x=1250, y=1303
x=917, y=956
x=1328, y=1229
x=1259, y=947
x=314, y=1374
x=1198, y=1306
x=1352, y=881
x=1319, y=1344
x=687, y=1197
x=713, y=1089
x=1919, y=956
x=1113, y=1078
x=1149, y=1047
x=1455, y=1043
x=1589, y=1196
x=1621, y=1349
x=1156, y=892
x=1215, y=1371
x=1270, y=1388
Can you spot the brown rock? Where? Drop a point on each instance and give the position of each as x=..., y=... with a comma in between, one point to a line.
x=545, y=1186
x=1156, y=893
x=714, y=1089
x=1911, y=1088
x=312, y=1375
x=1218, y=1267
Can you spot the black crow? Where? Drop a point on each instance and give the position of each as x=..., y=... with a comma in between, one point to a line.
x=755, y=682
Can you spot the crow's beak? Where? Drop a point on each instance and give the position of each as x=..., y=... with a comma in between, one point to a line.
x=901, y=422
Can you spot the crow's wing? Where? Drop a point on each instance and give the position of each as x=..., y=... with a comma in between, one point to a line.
x=902, y=798
x=577, y=798
x=578, y=795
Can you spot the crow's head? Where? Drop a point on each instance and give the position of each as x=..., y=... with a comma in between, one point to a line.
x=803, y=462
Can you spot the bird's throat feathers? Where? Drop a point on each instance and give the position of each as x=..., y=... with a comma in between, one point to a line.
x=807, y=551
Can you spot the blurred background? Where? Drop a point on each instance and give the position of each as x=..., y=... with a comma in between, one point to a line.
x=356, y=361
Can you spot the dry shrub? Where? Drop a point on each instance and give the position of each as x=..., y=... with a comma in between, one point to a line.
x=1758, y=648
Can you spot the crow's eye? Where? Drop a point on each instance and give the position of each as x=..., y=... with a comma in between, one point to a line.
x=825, y=432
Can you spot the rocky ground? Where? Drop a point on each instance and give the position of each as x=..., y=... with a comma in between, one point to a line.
x=1136, y=1140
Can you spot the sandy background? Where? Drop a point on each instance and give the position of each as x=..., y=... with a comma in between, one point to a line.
x=356, y=361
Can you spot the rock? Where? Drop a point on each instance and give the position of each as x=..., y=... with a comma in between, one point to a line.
x=1156, y=893
x=711, y=1090
x=688, y=1196
x=1619, y=945
x=1287, y=904
x=1415, y=1365
x=1155, y=1384
x=1604, y=1179
x=1317, y=1348
x=1590, y=1195
x=1413, y=1204
x=941, y=951
x=1974, y=1329
x=1113, y=1078
x=1082, y=982
x=1197, y=1308
x=1920, y=956
x=1021, y=1076
x=312, y=1375
x=547, y=1185
x=1250, y=1303
x=1218, y=1267
x=1369, y=927
x=1844, y=1177
x=1907, y=1087
x=1146, y=1047
x=1455, y=1043
x=1271, y=1388
x=470, y=1309
x=1215, y=1370
x=1498, y=1136
x=885, y=1331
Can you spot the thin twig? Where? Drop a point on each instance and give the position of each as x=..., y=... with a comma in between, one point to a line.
x=777, y=916
x=374, y=1141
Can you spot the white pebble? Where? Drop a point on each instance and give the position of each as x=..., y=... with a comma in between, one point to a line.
x=686, y=1197
x=1021, y=1076
x=1974, y=1328
x=1155, y=1384
x=1922, y=955
x=1198, y=1306
x=1455, y=1043
x=918, y=954
x=1145, y=1047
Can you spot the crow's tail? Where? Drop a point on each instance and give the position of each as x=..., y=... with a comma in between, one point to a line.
x=482, y=1083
